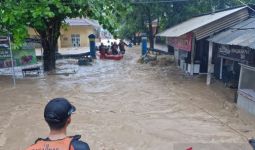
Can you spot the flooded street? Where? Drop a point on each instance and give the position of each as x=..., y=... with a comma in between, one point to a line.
x=124, y=105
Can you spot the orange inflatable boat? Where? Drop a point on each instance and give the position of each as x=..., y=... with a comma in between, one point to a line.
x=112, y=57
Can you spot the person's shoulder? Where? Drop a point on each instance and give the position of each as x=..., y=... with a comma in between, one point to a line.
x=33, y=146
x=78, y=144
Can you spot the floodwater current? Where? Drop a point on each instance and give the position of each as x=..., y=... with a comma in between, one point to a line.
x=124, y=105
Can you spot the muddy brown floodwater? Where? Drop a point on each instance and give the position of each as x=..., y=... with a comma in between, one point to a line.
x=123, y=105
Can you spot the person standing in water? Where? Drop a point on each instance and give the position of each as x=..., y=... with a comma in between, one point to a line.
x=122, y=45
x=115, y=49
x=57, y=114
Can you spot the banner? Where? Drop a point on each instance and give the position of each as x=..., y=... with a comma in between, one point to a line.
x=21, y=57
x=183, y=42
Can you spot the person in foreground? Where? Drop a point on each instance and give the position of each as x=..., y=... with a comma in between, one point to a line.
x=57, y=114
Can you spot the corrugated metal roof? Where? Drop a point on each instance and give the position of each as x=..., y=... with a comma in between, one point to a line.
x=196, y=23
x=242, y=34
x=82, y=22
x=221, y=24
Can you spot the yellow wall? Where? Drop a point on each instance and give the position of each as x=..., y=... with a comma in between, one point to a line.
x=84, y=32
x=31, y=33
x=65, y=38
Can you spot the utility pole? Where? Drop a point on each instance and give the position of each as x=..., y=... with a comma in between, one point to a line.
x=13, y=70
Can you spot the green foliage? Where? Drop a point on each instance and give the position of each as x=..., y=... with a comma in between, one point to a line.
x=16, y=16
x=47, y=17
x=137, y=19
x=183, y=11
x=171, y=14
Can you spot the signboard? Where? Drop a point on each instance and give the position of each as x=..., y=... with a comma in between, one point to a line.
x=20, y=57
x=183, y=42
x=4, y=52
x=238, y=54
x=6, y=55
x=4, y=40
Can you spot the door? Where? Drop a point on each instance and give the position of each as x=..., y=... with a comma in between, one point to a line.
x=76, y=40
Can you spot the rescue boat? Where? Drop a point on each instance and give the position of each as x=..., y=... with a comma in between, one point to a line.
x=111, y=57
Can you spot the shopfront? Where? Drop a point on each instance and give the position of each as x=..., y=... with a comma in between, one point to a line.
x=229, y=58
x=184, y=49
x=193, y=52
x=231, y=48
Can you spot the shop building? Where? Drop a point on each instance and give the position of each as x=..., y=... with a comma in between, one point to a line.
x=235, y=60
x=193, y=52
x=76, y=33
x=231, y=48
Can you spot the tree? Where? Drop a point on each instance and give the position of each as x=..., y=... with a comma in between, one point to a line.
x=131, y=23
x=147, y=15
x=141, y=17
x=170, y=14
x=47, y=17
x=137, y=20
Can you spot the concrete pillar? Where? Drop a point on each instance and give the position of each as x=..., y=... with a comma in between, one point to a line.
x=210, y=66
x=240, y=78
x=221, y=67
x=192, y=55
x=59, y=43
x=176, y=56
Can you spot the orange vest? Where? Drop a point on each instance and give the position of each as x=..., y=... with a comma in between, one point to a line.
x=64, y=144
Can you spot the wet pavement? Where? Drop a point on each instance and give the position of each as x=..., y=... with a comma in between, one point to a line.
x=124, y=105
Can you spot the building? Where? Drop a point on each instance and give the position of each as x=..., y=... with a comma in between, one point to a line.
x=189, y=39
x=235, y=60
x=76, y=33
x=231, y=48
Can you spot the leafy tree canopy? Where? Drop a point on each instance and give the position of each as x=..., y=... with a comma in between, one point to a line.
x=47, y=17
x=17, y=15
x=170, y=14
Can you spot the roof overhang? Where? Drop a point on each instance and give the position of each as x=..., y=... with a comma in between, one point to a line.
x=196, y=23
x=242, y=34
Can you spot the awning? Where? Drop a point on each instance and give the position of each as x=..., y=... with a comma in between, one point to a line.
x=202, y=25
x=242, y=34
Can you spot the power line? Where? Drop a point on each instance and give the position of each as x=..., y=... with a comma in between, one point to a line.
x=247, y=5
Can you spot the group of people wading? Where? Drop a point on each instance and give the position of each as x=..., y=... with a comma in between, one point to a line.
x=113, y=49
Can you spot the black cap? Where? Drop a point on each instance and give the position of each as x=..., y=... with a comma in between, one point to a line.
x=58, y=110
